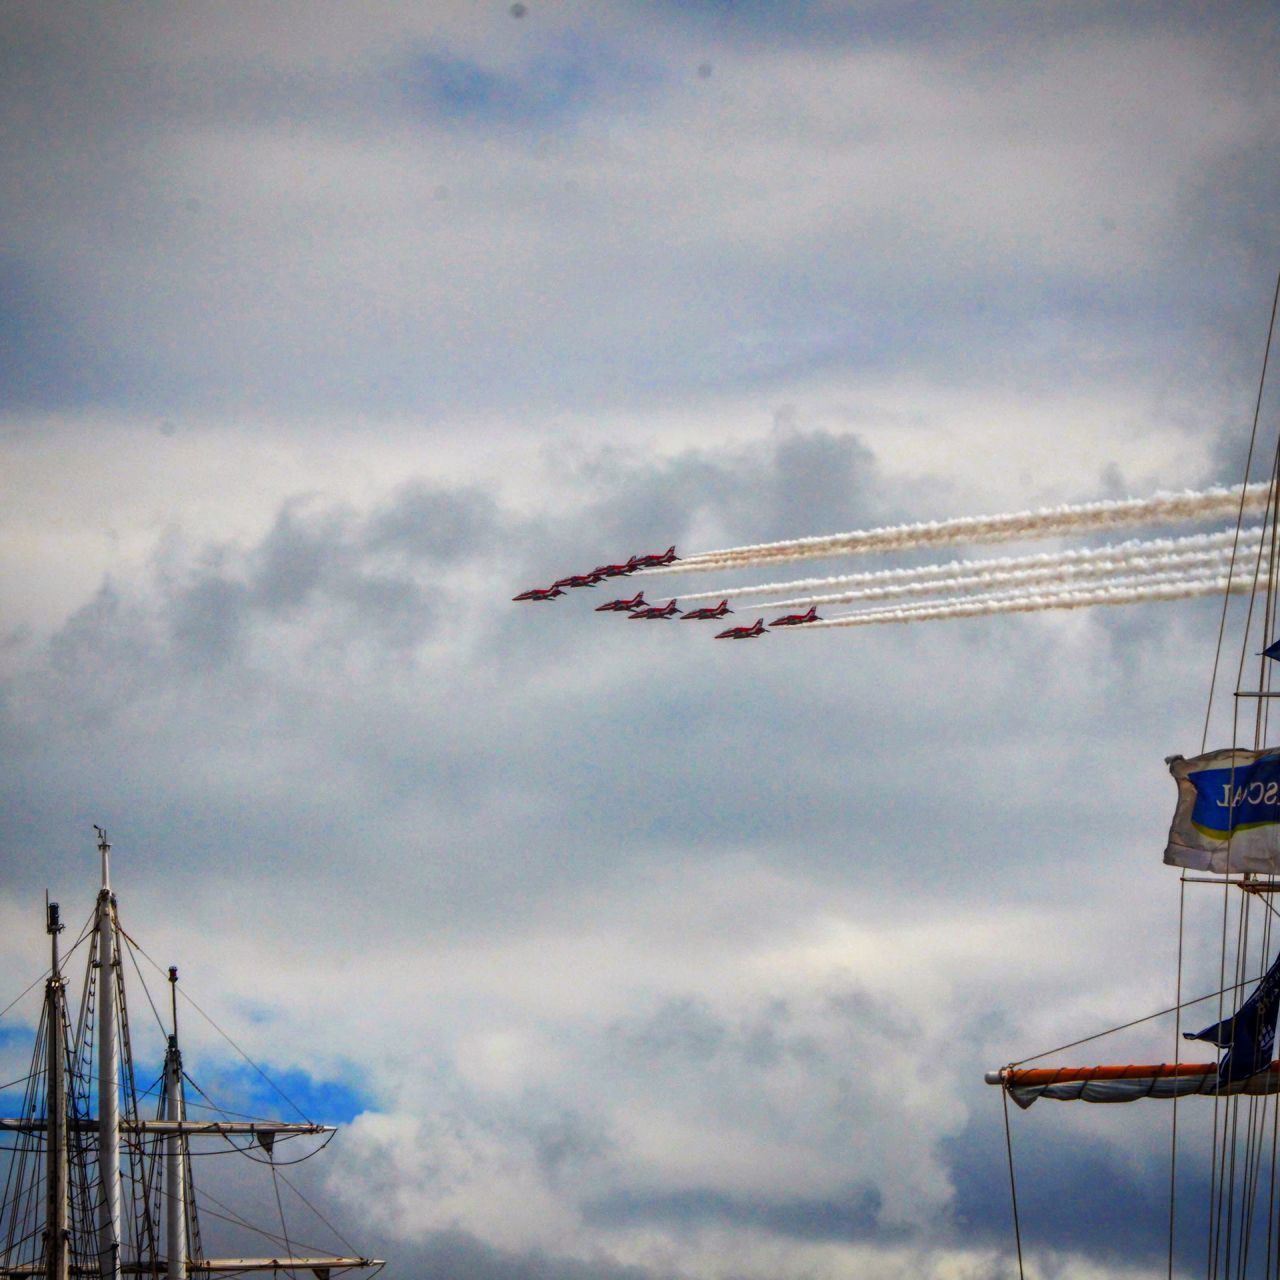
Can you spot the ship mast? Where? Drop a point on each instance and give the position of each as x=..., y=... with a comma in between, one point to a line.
x=58, y=1213
x=175, y=1174
x=109, y=1223
x=84, y=1217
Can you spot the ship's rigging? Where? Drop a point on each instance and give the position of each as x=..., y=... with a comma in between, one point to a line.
x=1234, y=1228
x=93, y=1187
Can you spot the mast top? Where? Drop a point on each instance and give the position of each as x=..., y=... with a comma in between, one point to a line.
x=173, y=999
x=53, y=926
x=105, y=850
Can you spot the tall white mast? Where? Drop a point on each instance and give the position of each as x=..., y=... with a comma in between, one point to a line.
x=175, y=1174
x=109, y=1226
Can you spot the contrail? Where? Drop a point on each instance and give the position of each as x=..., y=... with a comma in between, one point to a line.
x=1002, y=594
x=1183, y=589
x=1046, y=575
x=1163, y=508
x=932, y=573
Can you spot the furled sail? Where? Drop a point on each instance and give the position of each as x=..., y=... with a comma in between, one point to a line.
x=1126, y=1083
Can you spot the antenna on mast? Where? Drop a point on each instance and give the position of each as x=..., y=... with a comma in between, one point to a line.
x=173, y=994
x=53, y=926
x=104, y=848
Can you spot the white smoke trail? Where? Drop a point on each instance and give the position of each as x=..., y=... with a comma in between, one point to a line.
x=1001, y=594
x=1049, y=575
x=1134, y=547
x=1089, y=597
x=1163, y=508
x=1121, y=581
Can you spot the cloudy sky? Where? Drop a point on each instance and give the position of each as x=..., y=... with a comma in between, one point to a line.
x=326, y=328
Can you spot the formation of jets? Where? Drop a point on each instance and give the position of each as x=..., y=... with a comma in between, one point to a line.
x=639, y=609
x=602, y=571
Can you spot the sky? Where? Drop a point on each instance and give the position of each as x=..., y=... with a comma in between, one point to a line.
x=327, y=328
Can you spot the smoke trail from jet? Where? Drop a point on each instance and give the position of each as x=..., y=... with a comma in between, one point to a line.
x=1122, y=581
x=1139, y=592
x=1163, y=508
x=1044, y=576
x=1135, y=549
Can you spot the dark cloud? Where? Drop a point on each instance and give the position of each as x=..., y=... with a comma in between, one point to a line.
x=1118, y=1195
x=635, y=937
x=682, y=1028
x=810, y=478
x=386, y=640
x=200, y=246
x=852, y=1218
x=927, y=24
x=455, y=1253
x=426, y=522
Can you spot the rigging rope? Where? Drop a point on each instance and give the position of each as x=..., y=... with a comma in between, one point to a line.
x=182, y=992
x=1177, y=1054
x=1226, y=1141
x=1013, y=1183
x=1137, y=1022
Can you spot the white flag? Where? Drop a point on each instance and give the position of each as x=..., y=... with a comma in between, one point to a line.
x=1228, y=815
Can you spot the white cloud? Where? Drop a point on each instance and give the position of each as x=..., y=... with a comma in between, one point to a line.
x=642, y=953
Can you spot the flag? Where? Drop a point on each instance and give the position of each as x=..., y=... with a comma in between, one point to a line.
x=1228, y=813
x=1249, y=1035
x=1272, y=650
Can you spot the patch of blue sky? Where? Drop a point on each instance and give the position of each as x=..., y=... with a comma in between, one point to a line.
x=258, y=1014
x=15, y=1059
x=550, y=89
x=44, y=361
x=901, y=22
x=795, y=21
x=282, y=1095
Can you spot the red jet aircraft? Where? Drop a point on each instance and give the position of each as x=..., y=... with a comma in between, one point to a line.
x=539, y=593
x=796, y=619
x=718, y=612
x=743, y=633
x=637, y=601
x=667, y=610
x=578, y=580
x=653, y=560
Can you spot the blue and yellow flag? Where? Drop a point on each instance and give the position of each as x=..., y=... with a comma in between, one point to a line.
x=1228, y=814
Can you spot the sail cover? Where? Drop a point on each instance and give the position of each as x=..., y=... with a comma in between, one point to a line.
x=1128, y=1083
x=1228, y=815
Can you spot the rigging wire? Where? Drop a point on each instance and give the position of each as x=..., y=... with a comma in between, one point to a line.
x=275, y=1186
x=150, y=960
x=1219, y=1136
x=42, y=978
x=1013, y=1183
x=146, y=991
x=1177, y=1053
x=1137, y=1022
x=22, y=1201
x=346, y=1244
x=1238, y=1139
x=212, y=1106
